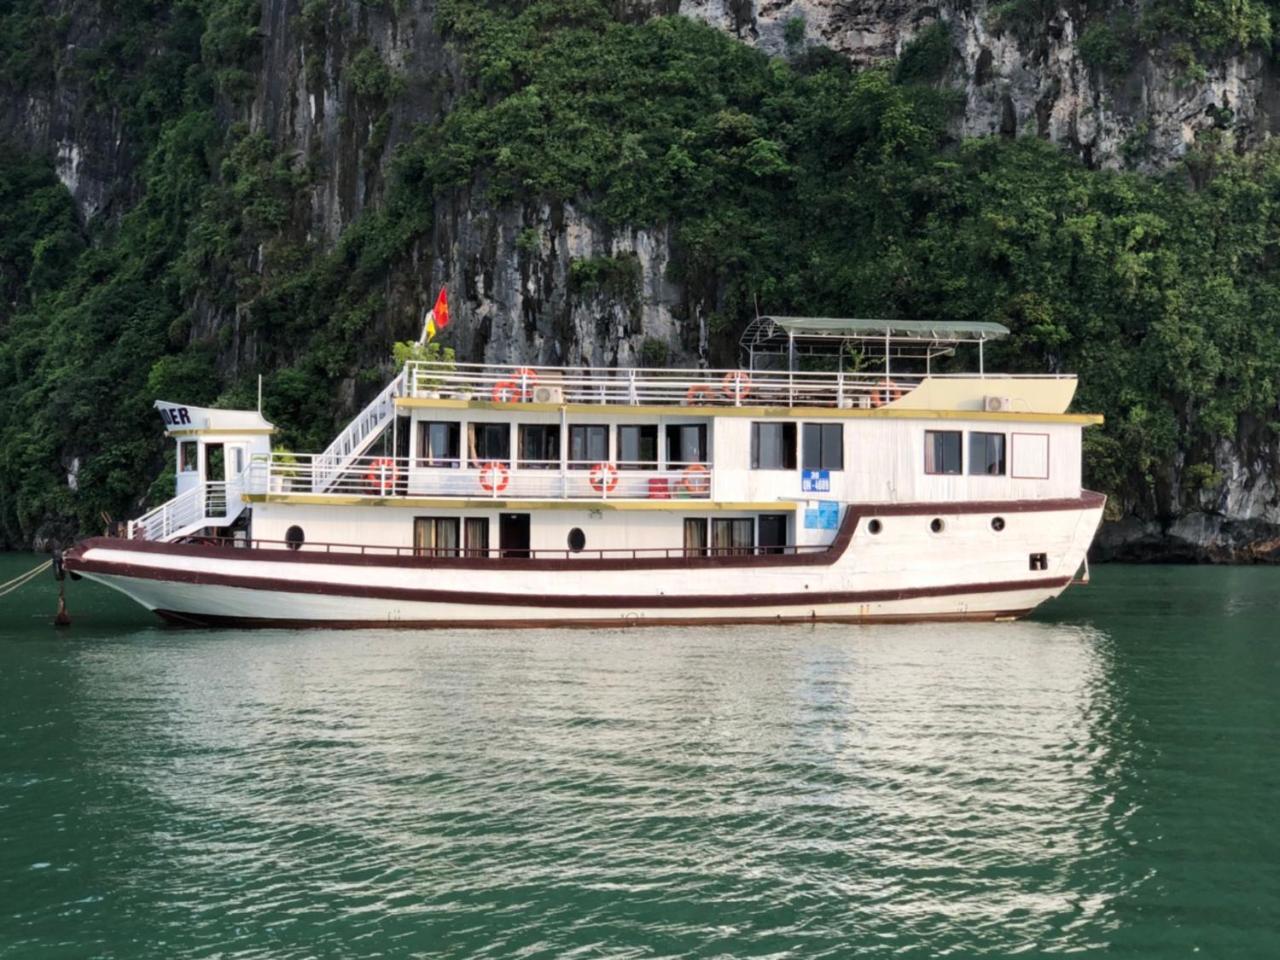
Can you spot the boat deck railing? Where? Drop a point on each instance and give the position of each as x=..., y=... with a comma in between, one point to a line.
x=497, y=553
x=634, y=386
x=522, y=479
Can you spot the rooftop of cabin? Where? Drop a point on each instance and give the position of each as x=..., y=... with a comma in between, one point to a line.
x=786, y=362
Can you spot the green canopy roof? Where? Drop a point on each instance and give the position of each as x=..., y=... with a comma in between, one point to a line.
x=898, y=329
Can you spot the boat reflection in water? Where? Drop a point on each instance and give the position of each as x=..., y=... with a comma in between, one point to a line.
x=755, y=788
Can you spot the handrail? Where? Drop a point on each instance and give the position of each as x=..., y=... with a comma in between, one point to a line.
x=360, y=432
x=203, y=502
x=498, y=553
x=632, y=386
x=389, y=477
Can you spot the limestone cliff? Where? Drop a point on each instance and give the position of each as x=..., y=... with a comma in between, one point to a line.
x=338, y=86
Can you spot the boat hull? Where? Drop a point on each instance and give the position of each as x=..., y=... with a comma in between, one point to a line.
x=906, y=572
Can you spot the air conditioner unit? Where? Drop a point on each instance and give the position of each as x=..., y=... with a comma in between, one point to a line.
x=997, y=404
x=545, y=394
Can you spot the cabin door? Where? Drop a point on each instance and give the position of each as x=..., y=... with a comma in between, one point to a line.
x=513, y=534
x=773, y=532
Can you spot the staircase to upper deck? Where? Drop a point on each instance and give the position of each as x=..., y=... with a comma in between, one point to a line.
x=204, y=505
x=358, y=436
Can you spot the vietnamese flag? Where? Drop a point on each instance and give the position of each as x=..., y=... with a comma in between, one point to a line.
x=437, y=317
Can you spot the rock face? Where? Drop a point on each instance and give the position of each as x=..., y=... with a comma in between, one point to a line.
x=553, y=285
x=1030, y=79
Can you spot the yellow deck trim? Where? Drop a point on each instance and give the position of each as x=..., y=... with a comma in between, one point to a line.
x=485, y=503
x=797, y=413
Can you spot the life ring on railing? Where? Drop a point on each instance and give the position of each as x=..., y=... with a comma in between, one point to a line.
x=887, y=393
x=699, y=393
x=494, y=477
x=518, y=389
x=603, y=478
x=695, y=479
x=736, y=385
x=382, y=475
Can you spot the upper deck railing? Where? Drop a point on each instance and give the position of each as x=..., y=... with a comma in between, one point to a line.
x=634, y=386
x=399, y=477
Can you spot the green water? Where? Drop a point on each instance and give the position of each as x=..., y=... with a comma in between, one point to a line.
x=1103, y=780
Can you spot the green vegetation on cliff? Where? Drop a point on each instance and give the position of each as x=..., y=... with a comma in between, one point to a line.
x=809, y=185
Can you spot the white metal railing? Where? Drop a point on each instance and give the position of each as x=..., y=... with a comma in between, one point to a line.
x=359, y=433
x=380, y=477
x=636, y=386
x=203, y=505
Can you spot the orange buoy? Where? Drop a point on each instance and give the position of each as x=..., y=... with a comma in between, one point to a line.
x=603, y=478
x=494, y=477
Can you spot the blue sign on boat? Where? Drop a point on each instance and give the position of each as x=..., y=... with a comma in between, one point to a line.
x=815, y=481
x=825, y=516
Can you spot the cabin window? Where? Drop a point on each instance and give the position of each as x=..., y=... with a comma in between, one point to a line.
x=638, y=447
x=732, y=536
x=576, y=540
x=686, y=443
x=294, y=537
x=489, y=442
x=986, y=454
x=477, y=530
x=942, y=451
x=773, y=446
x=823, y=446
x=695, y=536
x=588, y=445
x=540, y=446
x=435, y=536
x=773, y=532
x=188, y=456
x=438, y=444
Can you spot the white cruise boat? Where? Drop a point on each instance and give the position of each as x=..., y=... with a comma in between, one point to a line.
x=838, y=476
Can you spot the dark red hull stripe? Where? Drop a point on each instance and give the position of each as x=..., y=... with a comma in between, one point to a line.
x=610, y=602
x=74, y=558
x=203, y=620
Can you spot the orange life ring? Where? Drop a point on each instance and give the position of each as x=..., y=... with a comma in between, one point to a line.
x=699, y=393
x=507, y=391
x=736, y=385
x=695, y=479
x=888, y=392
x=603, y=478
x=494, y=476
x=382, y=475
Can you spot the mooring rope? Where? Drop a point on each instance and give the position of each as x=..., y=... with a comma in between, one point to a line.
x=22, y=580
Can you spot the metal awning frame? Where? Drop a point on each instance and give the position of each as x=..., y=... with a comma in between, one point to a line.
x=792, y=337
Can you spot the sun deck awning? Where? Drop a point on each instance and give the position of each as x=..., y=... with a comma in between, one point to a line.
x=934, y=330
x=792, y=337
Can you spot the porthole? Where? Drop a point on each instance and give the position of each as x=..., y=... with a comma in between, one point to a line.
x=997, y=524
x=937, y=525
x=294, y=537
x=577, y=539
x=875, y=526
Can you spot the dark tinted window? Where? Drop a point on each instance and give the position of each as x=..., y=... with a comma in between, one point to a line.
x=638, y=447
x=823, y=446
x=489, y=441
x=438, y=444
x=942, y=451
x=588, y=445
x=687, y=443
x=540, y=446
x=773, y=446
x=986, y=454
